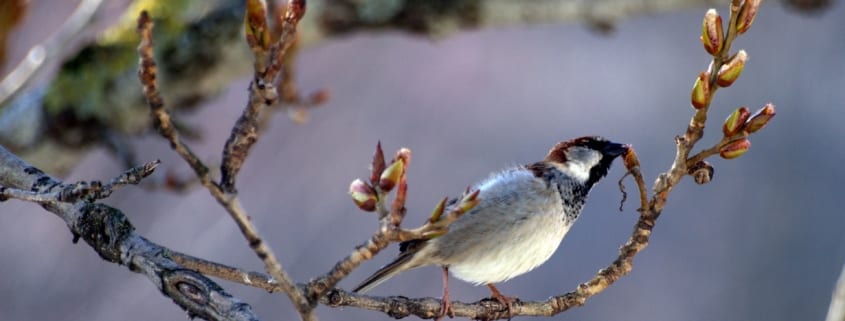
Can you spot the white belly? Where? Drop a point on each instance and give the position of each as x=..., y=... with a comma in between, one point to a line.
x=531, y=245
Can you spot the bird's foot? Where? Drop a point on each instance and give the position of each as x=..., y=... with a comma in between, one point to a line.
x=504, y=300
x=445, y=308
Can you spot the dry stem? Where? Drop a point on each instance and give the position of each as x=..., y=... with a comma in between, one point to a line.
x=147, y=74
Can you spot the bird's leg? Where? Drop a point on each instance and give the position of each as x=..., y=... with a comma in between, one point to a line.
x=502, y=299
x=445, y=303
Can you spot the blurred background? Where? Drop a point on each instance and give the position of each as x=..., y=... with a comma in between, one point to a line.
x=763, y=241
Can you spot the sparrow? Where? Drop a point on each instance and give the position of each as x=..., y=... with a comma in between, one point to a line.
x=522, y=216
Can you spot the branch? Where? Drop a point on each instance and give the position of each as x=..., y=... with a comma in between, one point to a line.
x=25, y=71
x=108, y=231
x=269, y=60
x=87, y=191
x=147, y=73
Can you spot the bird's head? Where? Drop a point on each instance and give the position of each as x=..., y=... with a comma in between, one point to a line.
x=586, y=159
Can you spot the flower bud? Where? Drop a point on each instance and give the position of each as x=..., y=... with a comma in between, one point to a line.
x=295, y=11
x=391, y=176
x=746, y=15
x=438, y=210
x=711, y=32
x=701, y=90
x=363, y=195
x=735, y=148
x=735, y=122
x=404, y=155
x=760, y=118
x=255, y=25
x=731, y=70
x=377, y=166
x=468, y=202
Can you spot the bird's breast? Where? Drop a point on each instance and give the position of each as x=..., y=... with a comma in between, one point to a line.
x=512, y=251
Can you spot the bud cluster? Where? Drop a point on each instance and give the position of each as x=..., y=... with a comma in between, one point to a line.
x=383, y=179
x=717, y=42
x=438, y=224
x=739, y=125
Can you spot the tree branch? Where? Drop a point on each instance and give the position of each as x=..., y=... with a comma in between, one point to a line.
x=25, y=71
x=147, y=74
x=108, y=231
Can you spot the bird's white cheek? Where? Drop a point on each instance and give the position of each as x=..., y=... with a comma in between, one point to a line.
x=576, y=170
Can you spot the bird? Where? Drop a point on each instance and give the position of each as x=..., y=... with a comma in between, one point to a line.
x=521, y=218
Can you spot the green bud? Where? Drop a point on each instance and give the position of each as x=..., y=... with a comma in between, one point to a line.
x=701, y=90
x=735, y=148
x=438, y=210
x=736, y=121
x=730, y=71
x=469, y=201
x=391, y=176
x=255, y=25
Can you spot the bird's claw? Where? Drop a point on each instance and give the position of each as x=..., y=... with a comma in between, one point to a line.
x=504, y=300
x=445, y=309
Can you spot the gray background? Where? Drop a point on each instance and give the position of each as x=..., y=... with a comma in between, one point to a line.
x=763, y=241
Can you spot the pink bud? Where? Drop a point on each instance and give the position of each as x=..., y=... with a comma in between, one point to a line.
x=760, y=118
x=363, y=195
x=377, y=165
x=746, y=15
x=712, y=35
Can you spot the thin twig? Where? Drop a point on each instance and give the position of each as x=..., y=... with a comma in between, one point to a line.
x=147, y=73
x=262, y=93
x=229, y=273
x=86, y=190
x=25, y=71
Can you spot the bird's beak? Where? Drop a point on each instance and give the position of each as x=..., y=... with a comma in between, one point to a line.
x=614, y=149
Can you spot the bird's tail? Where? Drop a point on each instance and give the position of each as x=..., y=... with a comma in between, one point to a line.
x=386, y=272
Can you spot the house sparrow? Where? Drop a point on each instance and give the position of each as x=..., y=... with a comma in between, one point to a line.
x=523, y=214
